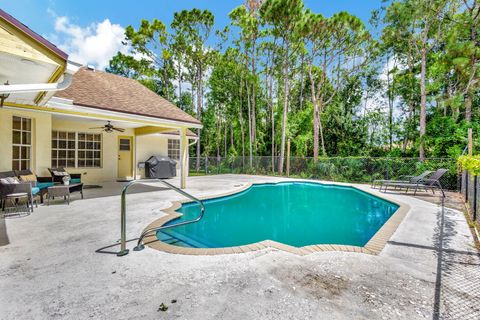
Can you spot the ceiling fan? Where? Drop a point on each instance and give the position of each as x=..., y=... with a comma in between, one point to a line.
x=109, y=128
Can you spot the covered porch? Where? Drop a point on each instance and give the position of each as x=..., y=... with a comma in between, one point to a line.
x=79, y=143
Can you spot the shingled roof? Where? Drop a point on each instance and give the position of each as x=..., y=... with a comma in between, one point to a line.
x=107, y=91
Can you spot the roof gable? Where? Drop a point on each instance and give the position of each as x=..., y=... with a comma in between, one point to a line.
x=107, y=91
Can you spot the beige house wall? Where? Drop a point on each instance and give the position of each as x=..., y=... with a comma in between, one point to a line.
x=152, y=145
x=109, y=169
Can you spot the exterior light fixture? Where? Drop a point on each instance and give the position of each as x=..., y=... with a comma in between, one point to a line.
x=4, y=96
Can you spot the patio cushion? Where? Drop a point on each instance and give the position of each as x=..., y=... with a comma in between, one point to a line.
x=35, y=190
x=28, y=178
x=60, y=173
x=9, y=180
x=75, y=181
x=44, y=185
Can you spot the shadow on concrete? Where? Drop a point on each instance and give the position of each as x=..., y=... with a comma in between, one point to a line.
x=111, y=189
x=4, y=215
x=105, y=250
x=3, y=233
x=457, y=283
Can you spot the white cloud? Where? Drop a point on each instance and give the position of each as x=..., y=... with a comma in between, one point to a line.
x=95, y=44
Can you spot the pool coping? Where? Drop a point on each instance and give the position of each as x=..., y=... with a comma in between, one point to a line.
x=374, y=246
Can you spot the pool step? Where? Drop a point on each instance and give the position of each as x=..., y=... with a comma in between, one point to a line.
x=176, y=240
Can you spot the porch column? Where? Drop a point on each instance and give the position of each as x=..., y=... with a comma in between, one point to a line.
x=183, y=157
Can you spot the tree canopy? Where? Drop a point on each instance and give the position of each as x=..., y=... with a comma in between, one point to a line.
x=406, y=84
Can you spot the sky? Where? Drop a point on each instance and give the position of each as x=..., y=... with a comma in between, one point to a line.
x=91, y=32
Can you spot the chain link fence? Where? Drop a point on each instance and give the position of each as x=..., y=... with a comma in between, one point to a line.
x=341, y=169
x=470, y=189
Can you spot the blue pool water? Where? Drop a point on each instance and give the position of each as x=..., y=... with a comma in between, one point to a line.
x=294, y=213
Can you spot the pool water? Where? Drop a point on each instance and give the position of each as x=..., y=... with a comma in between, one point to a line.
x=293, y=213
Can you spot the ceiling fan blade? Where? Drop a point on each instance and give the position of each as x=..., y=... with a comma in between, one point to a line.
x=97, y=128
x=119, y=129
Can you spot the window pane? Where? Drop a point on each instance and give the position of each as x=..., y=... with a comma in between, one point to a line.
x=24, y=165
x=71, y=136
x=71, y=145
x=97, y=163
x=62, y=163
x=81, y=145
x=54, y=144
x=15, y=165
x=26, y=124
x=26, y=138
x=16, y=137
x=71, y=154
x=16, y=152
x=62, y=135
x=62, y=144
x=17, y=123
x=25, y=152
x=71, y=163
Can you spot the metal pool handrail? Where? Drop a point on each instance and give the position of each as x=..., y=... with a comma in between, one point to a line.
x=123, y=218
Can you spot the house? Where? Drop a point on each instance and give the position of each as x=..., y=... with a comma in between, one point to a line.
x=56, y=113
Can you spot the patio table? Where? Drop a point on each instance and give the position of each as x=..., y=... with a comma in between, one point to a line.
x=64, y=191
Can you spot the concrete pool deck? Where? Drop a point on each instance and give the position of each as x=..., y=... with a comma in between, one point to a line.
x=49, y=267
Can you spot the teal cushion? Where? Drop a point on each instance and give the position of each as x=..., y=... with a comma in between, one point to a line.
x=44, y=185
x=72, y=181
x=35, y=190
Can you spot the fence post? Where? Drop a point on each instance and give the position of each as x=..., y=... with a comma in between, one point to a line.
x=466, y=185
x=475, y=187
x=206, y=165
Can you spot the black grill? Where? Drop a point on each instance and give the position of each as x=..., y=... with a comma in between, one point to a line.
x=160, y=167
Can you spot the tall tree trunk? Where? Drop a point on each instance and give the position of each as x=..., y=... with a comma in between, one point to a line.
x=165, y=82
x=302, y=79
x=254, y=118
x=286, y=93
x=225, y=137
x=410, y=120
x=315, y=115
x=272, y=119
x=390, y=107
x=423, y=103
x=320, y=127
x=250, y=140
x=199, y=113
x=179, y=80
x=254, y=109
x=240, y=117
x=232, y=143
x=468, y=107
x=218, y=133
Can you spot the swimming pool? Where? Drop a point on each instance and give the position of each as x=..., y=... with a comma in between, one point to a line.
x=294, y=213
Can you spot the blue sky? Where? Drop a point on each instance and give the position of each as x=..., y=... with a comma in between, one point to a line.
x=91, y=31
